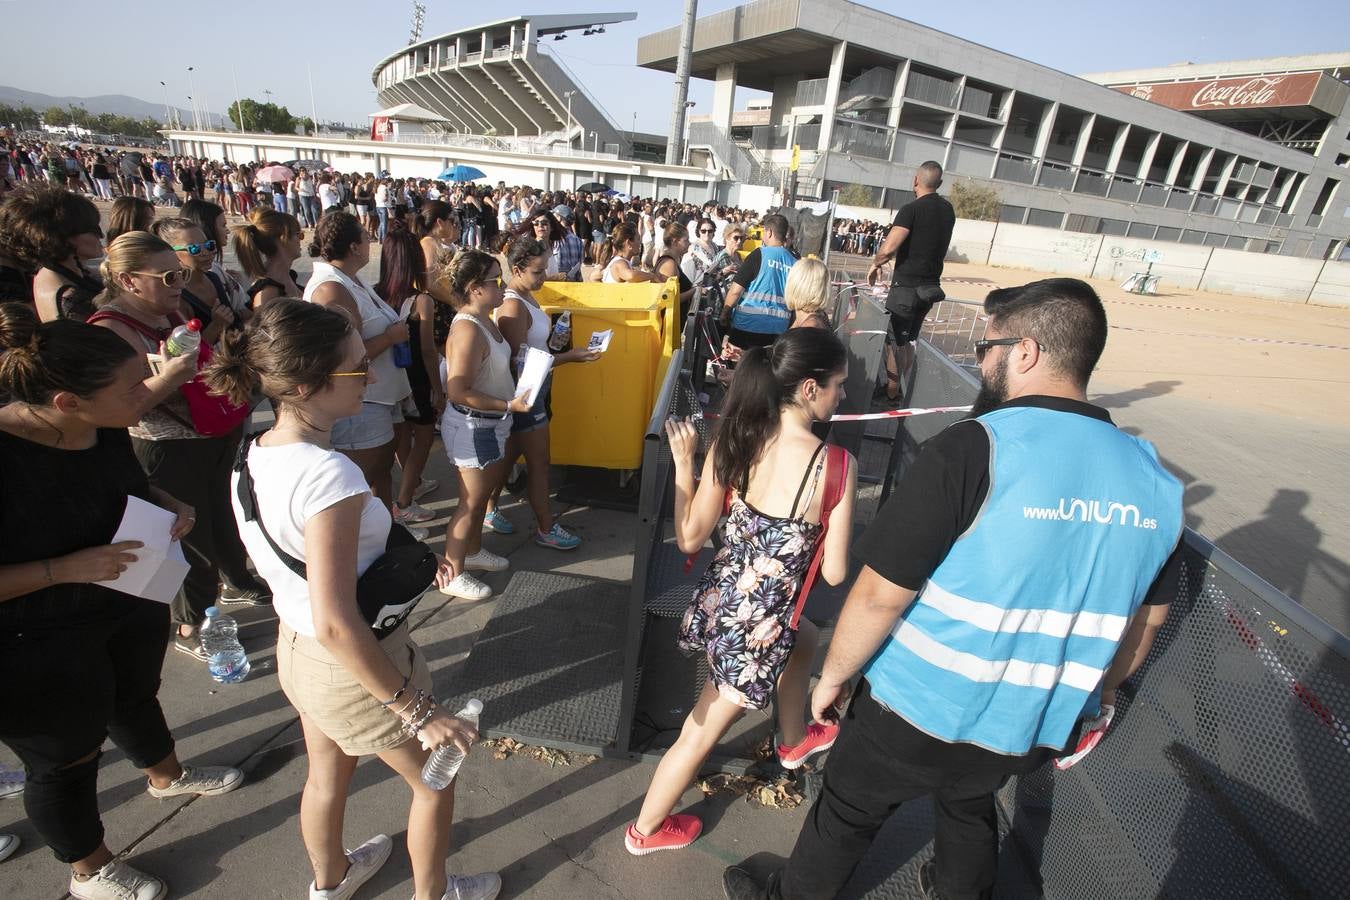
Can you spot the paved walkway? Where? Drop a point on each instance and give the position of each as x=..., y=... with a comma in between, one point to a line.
x=1258, y=432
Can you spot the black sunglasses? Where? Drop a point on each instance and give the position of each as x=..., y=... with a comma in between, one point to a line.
x=982, y=347
x=194, y=249
x=706, y=231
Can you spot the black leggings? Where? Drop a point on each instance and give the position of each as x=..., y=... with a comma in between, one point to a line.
x=196, y=471
x=66, y=691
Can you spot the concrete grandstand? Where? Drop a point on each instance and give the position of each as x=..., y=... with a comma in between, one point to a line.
x=500, y=79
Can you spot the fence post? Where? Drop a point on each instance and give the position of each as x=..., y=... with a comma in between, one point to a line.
x=1320, y=272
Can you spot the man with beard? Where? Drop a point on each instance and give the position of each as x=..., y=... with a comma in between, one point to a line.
x=1001, y=595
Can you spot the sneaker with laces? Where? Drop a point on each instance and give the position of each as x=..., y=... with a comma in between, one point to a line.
x=364, y=861
x=485, y=561
x=424, y=487
x=418, y=532
x=11, y=782
x=411, y=514
x=208, y=781
x=118, y=881
x=819, y=738
x=240, y=596
x=466, y=587
x=473, y=887
x=191, y=645
x=496, y=520
x=8, y=844
x=675, y=833
x=558, y=538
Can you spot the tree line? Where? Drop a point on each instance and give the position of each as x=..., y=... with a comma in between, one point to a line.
x=258, y=117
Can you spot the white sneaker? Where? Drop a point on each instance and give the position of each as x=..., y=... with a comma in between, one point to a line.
x=485, y=561
x=8, y=844
x=467, y=587
x=424, y=487
x=418, y=533
x=11, y=782
x=205, y=780
x=365, y=861
x=473, y=887
x=412, y=514
x=118, y=881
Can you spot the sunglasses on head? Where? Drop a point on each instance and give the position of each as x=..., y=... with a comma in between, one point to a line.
x=171, y=278
x=194, y=249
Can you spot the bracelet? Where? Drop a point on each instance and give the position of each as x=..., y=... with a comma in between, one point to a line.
x=399, y=693
x=416, y=726
x=412, y=704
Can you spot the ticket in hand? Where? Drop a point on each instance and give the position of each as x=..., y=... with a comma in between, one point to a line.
x=599, y=342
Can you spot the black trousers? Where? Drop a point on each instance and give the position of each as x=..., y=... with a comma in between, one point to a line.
x=197, y=471
x=866, y=780
x=66, y=691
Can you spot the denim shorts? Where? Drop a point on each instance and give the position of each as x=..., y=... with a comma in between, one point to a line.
x=539, y=414
x=474, y=441
x=372, y=427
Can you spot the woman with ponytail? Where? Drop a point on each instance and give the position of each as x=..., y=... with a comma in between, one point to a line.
x=784, y=490
x=142, y=304
x=267, y=247
x=357, y=693
x=80, y=661
x=616, y=257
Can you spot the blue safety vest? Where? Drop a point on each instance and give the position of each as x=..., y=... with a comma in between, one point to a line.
x=1006, y=645
x=762, y=308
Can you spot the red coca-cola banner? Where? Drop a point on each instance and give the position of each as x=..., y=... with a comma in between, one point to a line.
x=1246, y=92
x=381, y=129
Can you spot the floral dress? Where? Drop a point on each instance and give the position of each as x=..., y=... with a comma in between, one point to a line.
x=741, y=614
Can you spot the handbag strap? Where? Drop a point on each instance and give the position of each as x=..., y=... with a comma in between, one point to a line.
x=248, y=503
x=836, y=471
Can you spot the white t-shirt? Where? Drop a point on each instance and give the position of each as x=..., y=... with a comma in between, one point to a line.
x=294, y=483
x=328, y=196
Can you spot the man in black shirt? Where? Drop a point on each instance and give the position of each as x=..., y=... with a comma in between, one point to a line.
x=918, y=242
x=947, y=501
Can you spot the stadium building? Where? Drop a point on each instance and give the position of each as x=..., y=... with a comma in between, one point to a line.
x=500, y=79
x=1248, y=155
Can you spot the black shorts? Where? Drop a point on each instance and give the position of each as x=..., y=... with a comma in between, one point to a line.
x=747, y=339
x=908, y=307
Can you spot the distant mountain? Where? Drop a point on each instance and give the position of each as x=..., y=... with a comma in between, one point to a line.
x=117, y=104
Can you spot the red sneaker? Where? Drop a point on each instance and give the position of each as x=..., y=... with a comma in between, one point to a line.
x=676, y=832
x=818, y=739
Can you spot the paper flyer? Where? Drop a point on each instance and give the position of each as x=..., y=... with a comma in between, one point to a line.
x=160, y=566
x=533, y=373
x=599, y=342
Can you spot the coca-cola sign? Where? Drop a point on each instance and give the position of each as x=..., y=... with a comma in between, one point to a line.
x=1247, y=92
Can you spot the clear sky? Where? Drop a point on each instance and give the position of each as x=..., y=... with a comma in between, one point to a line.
x=91, y=48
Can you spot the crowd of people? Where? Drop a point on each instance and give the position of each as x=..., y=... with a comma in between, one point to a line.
x=363, y=377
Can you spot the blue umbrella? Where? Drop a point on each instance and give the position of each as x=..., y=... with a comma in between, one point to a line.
x=461, y=173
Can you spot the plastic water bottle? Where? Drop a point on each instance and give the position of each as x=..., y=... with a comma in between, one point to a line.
x=562, y=332
x=225, y=657
x=445, y=760
x=184, y=339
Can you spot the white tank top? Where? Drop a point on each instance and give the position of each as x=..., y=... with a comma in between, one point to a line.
x=391, y=382
x=494, y=373
x=537, y=334
x=608, y=276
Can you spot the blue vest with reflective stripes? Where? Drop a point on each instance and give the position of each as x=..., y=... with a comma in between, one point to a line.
x=1006, y=645
x=762, y=308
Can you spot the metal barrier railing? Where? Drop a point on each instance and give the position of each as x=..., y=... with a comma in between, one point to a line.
x=953, y=326
x=1224, y=773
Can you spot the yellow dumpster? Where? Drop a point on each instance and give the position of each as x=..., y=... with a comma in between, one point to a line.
x=601, y=409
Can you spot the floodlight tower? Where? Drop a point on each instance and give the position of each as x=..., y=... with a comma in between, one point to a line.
x=419, y=15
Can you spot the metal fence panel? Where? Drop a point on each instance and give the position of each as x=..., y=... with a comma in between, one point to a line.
x=1225, y=772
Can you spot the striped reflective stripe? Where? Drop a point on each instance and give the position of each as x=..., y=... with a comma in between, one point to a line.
x=1049, y=622
x=1012, y=671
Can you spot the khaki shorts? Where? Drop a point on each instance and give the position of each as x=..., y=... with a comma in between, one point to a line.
x=325, y=692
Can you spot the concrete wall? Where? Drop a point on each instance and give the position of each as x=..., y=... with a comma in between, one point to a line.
x=1182, y=265
x=971, y=241
x=1045, y=249
x=1333, y=286
x=1261, y=275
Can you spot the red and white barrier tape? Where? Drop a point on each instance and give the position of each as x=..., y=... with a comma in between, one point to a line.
x=886, y=414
